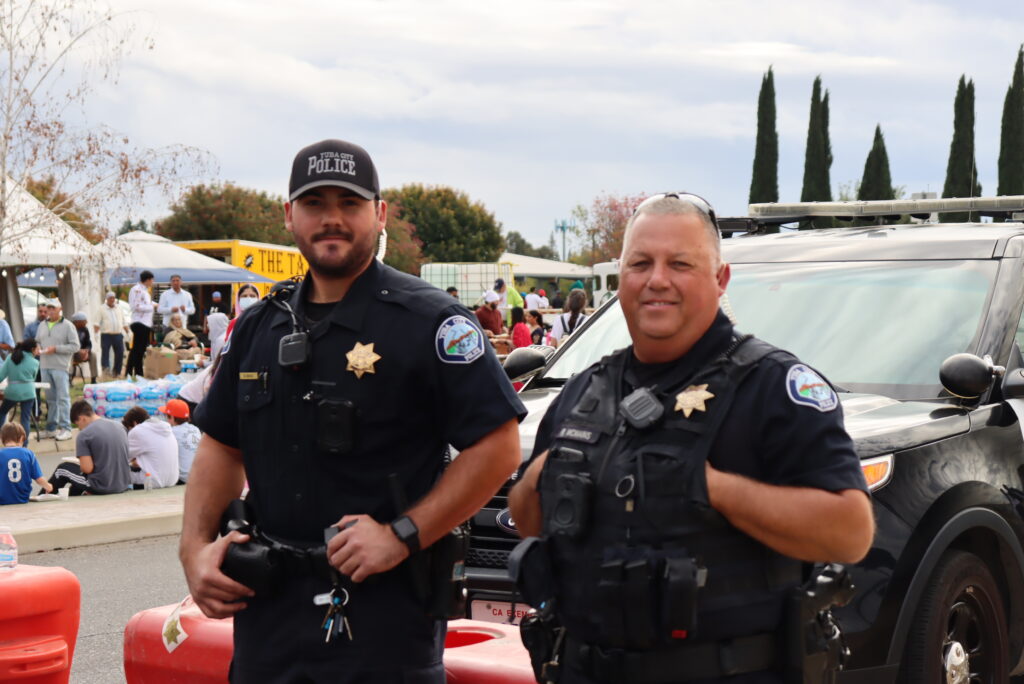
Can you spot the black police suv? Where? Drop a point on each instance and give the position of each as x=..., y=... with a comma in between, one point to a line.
x=882, y=311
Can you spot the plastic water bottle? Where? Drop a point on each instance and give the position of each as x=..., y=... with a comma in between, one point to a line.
x=8, y=550
x=147, y=484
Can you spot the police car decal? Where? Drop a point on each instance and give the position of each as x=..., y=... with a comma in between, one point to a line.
x=459, y=341
x=807, y=388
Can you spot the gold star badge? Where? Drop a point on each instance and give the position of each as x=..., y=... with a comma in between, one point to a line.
x=692, y=399
x=361, y=359
x=171, y=632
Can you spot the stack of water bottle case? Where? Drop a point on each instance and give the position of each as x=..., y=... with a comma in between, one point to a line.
x=113, y=399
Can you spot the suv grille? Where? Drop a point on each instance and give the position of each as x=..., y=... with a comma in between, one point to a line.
x=487, y=558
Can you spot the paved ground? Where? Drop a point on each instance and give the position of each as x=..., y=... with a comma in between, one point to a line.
x=118, y=580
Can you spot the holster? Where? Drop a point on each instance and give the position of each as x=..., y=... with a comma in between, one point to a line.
x=446, y=575
x=816, y=649
x=531, y=570
x=544, y=640
x=255, y=565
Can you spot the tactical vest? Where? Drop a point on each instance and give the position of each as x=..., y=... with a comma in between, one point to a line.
x=637, y=552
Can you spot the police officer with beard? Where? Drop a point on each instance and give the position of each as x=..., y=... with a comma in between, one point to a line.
x=682, y=487
x=336, y=400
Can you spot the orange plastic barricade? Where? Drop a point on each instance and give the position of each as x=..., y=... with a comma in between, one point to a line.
x=39, y=611
x=478, y=652
x=155, y=653
x=192, y=649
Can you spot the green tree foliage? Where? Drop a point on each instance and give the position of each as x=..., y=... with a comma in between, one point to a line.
x=403, y=248
x=226, y=212
x=517, y=244
x=876, y=184
x=63, y=205
x=1011, y=146
x=449, y=225
x=129, y=226
x=962, y=171
x=602, y=226
x=818, y=155
x=764, y=181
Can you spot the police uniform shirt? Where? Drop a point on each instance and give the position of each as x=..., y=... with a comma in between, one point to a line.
x=766, y=436
x=413, y=363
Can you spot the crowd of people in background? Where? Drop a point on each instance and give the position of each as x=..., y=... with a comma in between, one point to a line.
x=140, y=451
x=504, y=311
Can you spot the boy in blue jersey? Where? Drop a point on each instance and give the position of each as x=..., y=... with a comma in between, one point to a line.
x=19, y=467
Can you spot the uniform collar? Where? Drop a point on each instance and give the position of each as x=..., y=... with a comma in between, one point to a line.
x=351, y=310
x=713, y=342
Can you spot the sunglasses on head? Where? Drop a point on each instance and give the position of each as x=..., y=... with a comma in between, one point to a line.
x=697, y=201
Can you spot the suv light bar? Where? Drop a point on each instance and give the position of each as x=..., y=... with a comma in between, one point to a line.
x=777, y=213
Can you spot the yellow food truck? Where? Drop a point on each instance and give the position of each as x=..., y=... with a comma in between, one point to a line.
x=276, y=262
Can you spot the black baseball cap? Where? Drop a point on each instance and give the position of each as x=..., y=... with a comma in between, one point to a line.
x=334, y=162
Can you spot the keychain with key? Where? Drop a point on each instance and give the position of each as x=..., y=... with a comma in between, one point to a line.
x=335, y=621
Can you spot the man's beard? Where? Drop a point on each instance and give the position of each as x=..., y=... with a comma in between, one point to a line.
x=358, y=255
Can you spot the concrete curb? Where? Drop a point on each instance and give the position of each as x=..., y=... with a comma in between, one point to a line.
x=89, y=520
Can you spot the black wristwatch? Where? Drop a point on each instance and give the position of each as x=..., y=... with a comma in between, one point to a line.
x=407, y=532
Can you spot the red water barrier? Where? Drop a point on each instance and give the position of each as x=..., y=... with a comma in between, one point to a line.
x=203, y=657
x=475, y=652
x=39, y=612
x=478, y=652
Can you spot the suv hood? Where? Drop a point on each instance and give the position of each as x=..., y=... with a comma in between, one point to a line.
x=877, y=424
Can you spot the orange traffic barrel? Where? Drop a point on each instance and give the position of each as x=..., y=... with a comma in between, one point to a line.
x=39, y=611
x=177, y=643
x=477, y=652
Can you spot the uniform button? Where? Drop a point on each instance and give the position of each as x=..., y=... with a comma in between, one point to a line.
x=295, y=448
x=383, y=291
x=245, y=398
x=298, y=497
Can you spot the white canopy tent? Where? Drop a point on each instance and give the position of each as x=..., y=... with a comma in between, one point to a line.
x=535, y=267
x=126, y=256
x=32, y=235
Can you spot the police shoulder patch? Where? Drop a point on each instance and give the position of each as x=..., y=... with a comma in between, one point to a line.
x=459, y=341
x=806, y=388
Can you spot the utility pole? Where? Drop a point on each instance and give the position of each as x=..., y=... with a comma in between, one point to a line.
x=564, y=226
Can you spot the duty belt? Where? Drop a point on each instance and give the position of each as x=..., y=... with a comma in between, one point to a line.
x=299, y=558
x=682, y=663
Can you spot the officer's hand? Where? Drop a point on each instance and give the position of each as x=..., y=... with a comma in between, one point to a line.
x=215, y=593
x=364, y=549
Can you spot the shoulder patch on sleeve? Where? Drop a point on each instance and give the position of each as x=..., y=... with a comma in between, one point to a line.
x=807, y=388
x=459, y=341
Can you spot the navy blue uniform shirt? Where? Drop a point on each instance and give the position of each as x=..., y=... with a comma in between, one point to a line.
x=765, y=436
x=431, y=379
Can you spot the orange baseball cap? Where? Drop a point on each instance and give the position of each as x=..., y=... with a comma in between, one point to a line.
x=175, y=408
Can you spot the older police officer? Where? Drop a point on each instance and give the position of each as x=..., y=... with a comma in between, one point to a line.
x=679, y=483
x=337, y=399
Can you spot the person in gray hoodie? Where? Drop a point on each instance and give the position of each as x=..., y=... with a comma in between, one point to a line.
x=58, y=341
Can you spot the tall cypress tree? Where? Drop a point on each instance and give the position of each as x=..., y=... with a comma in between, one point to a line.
x=876, y=184
x=961, y=170
x=817, y=158
x=764, y=182
x=1011, y=146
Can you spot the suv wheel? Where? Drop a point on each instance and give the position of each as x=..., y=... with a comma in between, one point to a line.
x=959, y=632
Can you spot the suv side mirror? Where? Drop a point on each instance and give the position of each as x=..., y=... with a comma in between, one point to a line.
x=967, y=376
x=525, y=362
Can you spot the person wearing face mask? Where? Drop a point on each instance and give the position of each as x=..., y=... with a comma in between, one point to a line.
x=247, y=296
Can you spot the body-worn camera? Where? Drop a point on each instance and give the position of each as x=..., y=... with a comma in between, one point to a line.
x=571, y=513
x=335, y=426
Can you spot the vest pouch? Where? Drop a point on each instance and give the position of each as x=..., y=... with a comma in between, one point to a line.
x=609, y=611
x=640, y=603
x=679, y=586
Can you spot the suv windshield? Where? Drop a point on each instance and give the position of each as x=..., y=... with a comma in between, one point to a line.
x=883, y=327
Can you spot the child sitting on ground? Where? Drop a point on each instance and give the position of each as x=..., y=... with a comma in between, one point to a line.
x=20, y=467
x=185, y=433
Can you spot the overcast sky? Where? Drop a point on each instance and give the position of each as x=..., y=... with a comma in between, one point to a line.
x=533, y=107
